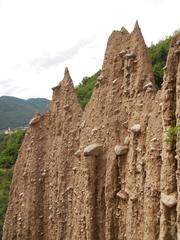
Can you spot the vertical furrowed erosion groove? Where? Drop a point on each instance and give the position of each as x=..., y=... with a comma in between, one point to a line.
x=97, y=172
x=100, y=207
x=121, y=196
x=177, y=157
x=169, y=162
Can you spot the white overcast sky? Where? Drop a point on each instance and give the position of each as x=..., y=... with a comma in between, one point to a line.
x=39, y=38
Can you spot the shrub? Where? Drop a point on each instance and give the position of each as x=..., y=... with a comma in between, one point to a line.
x=85, y=88
x=9, y=147
x=172, y=134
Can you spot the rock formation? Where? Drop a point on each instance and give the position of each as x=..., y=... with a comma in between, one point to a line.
x=105, y=173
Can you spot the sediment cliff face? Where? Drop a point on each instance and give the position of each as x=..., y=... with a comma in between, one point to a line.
x=105, y=173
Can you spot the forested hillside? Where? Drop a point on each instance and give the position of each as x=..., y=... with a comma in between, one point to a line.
x=9, y=147
x=16, y=112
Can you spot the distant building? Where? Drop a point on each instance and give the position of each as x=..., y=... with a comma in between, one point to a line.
x=10, y=131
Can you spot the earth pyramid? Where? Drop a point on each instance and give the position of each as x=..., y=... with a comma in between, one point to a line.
x=105, y=173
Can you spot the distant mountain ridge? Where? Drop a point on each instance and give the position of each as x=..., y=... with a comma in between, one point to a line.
x=16, y=112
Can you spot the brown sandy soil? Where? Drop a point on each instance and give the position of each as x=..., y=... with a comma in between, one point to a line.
x=105, y=173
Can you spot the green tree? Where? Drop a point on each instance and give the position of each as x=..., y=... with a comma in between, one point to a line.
x=5, y=181
x=85, y=88
x=158, y=56
x=9, y=147
x=172, y=134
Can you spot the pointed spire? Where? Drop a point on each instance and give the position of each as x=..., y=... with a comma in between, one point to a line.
x=139, y=47
x=66, y=73
x=67, y=77
x=136, y=35
x=124, y=30
x=136, y=26
x=64, y=95
x=137, y=30
x=65, y=85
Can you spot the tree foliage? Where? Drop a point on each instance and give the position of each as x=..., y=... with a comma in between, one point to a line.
x=172, y=134
x=9, y=147
x=85, y=88
x=5, y=181
x=158, y=56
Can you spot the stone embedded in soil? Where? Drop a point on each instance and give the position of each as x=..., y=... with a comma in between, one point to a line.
x=122, y=194
x=94, y=149
x=100, y=77
x=78, y=153
x=35, y=119
x=126, y=140
x=123, y=52
x=148, y=85
x=130, y=55
x=149, y=90
x=121, y=150
x=169, y=200
x=66, y=107
x=136, y=128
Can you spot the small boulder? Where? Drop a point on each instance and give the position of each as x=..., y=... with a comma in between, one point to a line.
x=100, y=78
x=148, y=85
x=35, y=119
x=123, y=52
x=66, y=107
x=149, y=89
x=122, y=194
x=94, y=149
x=94, y=130
x=136, y=128
x=121, y=150
x=154, y=139
x=177, y=51
x=78, y=153
x=115, y=81
x=126, y=140
x=169, y=200
x=130, y=55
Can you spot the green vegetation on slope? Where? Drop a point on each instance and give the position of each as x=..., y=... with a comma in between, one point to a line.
x=9, y=147
x=85, y=88
x=5, y=182
x=172, y=133
x=158, y=55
